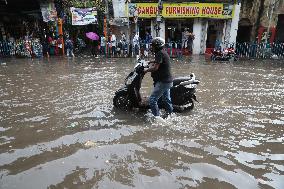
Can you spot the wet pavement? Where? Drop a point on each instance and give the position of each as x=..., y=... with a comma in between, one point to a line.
x=59, y=128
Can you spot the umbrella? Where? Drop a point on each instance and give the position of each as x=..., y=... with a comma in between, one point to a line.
x=93, y=36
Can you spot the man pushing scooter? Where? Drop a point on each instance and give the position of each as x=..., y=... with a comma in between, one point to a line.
x=160, y=69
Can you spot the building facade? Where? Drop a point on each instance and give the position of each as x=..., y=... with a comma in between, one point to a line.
x=209, y=22
x=259, y=15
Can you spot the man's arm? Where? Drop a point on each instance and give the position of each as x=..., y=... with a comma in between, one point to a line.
x=153, y=66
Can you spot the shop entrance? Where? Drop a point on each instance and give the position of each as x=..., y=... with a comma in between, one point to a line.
x=244, y=34
x=176, y=27
x=280, y=29
x=244, y=30
x=144, y=26
x=214, y=33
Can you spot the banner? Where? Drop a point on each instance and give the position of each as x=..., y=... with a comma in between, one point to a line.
x=119, y=10
x=48, y=12
x=84, y=16
x=183, y=10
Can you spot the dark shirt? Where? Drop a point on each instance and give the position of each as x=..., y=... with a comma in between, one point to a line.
x=163, y=74
x=148, y=39
x=69, y=44
x=95, y=43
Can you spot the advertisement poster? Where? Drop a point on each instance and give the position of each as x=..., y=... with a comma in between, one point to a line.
x=84, y=16
x=48, y=12
x=182, y=10
x=119, y=10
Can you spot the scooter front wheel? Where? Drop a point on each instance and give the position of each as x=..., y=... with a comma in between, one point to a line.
x=236, y=58
x=122, y=101
x=213, y=57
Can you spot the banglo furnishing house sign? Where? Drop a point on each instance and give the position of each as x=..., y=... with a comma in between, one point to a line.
x=183, y=10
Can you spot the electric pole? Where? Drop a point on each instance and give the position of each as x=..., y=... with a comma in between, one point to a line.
x=107, y=19
x=159, y=18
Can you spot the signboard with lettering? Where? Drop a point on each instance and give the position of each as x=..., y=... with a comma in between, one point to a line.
x=183, y=10
x=83, y=16
x=48, y=12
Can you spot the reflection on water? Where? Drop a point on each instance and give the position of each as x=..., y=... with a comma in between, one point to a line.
x=59, y=129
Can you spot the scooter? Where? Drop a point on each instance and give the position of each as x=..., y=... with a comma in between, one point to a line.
x=129, y=97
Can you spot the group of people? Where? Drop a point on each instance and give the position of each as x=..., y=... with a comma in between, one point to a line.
x=26, y=46
x=51, y=44
x=121, y=47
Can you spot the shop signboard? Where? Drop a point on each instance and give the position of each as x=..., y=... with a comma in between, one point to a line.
x=84, y=16
x=183, y=10
x=48, y=12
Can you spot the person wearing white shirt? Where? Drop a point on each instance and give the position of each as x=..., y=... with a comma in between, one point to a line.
x=113, y=44
x=135, y=43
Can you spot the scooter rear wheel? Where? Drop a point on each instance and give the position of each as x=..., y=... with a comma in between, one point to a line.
x=187, y=107
x=122, y=101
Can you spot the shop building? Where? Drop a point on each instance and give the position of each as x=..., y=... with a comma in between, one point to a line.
x=17, y=17
x=259, y=15
x=209, y=22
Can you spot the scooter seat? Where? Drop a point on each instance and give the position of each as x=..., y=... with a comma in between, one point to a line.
x=177, y=81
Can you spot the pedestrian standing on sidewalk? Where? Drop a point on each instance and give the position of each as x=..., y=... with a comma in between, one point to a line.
x=103, y=45
x=135, y=43
x=190, y=39
x=184, y=38
x=45, y=47
x=148, y=40
x=69, y=47
x=123, y=44
x=95, y=44
x=59, y=43
x=113, y=44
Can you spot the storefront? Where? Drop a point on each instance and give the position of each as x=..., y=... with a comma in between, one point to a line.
x=280, y=29
x=209, y=22
x=19, y=17
x=144, y=27
x=175, y=28
x=214, y=32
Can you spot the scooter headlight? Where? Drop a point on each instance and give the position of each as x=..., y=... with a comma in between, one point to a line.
x=128, y=81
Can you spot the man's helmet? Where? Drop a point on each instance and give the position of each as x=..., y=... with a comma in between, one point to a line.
x=158, y=43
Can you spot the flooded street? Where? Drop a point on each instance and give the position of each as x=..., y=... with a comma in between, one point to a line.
x=59, y=128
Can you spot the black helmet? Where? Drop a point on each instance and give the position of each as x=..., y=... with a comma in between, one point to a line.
x=158, y=43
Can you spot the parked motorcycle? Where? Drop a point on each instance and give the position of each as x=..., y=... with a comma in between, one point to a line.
x=129, y=97
x=224, y=55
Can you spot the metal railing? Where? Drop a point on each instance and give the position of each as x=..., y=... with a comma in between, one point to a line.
x=33, y=48
x=260, y=50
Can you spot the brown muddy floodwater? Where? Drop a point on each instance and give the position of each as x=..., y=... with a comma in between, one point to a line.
x=59, y=129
